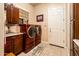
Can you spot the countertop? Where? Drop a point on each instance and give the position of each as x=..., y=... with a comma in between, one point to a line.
x=76, y=41
x=12, y=34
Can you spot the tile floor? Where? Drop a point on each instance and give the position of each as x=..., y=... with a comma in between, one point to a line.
x=45, y=50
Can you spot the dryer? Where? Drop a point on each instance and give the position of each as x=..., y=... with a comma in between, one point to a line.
x=38, y=34
x=29, y=36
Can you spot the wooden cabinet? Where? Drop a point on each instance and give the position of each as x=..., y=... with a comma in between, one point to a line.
x=14, y=44
x=9, y=45
x=76, y=20
x=76, y=50
x=15, y=15
x=17, y=44
x=12, y=14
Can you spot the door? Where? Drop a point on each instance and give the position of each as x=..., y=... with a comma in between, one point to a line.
x=17, y=44
x=12, y=14
x=56, y=26
x=15, y=19
x=9, y=13
x=9, y=45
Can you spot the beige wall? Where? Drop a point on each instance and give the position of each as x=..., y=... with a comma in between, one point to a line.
x=42, y=9
x=1, y=29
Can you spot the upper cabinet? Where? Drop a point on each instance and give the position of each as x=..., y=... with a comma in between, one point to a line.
x=12, y=14
x=76, y=20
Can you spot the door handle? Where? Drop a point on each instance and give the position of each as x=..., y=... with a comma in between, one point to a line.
x=50, y=29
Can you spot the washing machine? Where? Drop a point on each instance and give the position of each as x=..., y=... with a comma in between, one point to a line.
x=38, y=34
x=29, y=36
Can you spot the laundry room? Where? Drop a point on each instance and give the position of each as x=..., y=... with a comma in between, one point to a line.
x=37, y=29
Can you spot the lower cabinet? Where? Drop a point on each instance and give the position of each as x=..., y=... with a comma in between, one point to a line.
x=76, y=50
x=13, y=44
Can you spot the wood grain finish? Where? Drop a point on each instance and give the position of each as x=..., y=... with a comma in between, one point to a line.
x=18, y=40
x=76, y=50
x=13, y=44
x=12, y=14
x=76, y=21
x=9, y=45
x=15, y=15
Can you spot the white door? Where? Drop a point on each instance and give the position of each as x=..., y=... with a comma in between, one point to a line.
x=56, y=26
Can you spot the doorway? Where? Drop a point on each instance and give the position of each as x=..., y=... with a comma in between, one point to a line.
x=56, y=26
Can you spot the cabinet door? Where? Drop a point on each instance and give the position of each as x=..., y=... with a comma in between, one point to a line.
x=9, y=45
x=9, y=13
x=15, y=15
x=17, y=44
x=12, y=14
x=76, y=21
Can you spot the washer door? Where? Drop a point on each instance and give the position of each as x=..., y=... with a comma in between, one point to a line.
x=31, y=32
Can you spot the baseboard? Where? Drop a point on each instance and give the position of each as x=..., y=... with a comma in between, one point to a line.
x=56, y=45
x=45, y=42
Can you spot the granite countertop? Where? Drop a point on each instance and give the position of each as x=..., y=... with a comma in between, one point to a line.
x=12, y=34
x=76, y=41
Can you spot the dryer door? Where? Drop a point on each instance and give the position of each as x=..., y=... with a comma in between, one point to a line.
x=31, y=32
